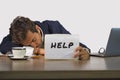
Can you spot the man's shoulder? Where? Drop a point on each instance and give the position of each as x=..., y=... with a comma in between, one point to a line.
x=51, y=22
x=47, y=21
x=8, y=37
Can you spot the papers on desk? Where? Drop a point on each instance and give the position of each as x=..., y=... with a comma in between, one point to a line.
x=60, y=46
x=29, y=51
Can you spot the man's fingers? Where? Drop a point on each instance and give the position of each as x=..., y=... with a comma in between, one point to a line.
x=79, y=48
x=36, y=51
x=81, y=53
x=76, y=54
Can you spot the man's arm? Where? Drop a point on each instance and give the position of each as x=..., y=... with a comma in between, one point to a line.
x=55, y=27
x=62, y=30
x=6, y=45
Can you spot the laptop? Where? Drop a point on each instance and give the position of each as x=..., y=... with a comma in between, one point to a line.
x=113, y=45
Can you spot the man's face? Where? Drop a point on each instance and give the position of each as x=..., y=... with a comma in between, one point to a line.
x=32, y=39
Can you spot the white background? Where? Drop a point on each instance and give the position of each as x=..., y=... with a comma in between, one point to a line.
x=91, y=19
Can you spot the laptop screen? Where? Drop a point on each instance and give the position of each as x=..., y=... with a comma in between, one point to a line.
x=113, y=45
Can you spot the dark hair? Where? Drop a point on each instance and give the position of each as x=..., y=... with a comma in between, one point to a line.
x=19, y=28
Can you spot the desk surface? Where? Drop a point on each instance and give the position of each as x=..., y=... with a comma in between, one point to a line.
x=96, y=67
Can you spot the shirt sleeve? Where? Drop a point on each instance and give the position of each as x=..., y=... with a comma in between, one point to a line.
x=6, y=45
x=57, y=27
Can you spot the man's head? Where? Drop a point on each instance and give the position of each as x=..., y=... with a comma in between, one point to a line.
x=24, y=31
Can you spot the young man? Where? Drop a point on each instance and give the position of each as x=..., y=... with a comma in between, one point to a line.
x=25, y=32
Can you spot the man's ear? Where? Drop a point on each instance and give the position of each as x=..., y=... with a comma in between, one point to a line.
x=37, y=28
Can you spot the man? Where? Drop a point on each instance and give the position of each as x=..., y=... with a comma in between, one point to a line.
x=25, y=32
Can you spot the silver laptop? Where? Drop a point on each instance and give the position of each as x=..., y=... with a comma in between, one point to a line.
x=113, y=45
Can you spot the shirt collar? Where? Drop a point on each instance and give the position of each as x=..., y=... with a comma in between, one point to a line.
x=41, y=34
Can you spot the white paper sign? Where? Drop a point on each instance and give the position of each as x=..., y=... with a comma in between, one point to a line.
x=60, y=46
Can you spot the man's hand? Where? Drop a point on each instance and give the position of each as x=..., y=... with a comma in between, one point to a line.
x=81, y=53
x=39, y=51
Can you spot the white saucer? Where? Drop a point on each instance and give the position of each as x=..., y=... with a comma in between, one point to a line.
x=14, y=58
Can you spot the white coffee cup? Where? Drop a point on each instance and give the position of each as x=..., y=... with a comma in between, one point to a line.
x=18, y=52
